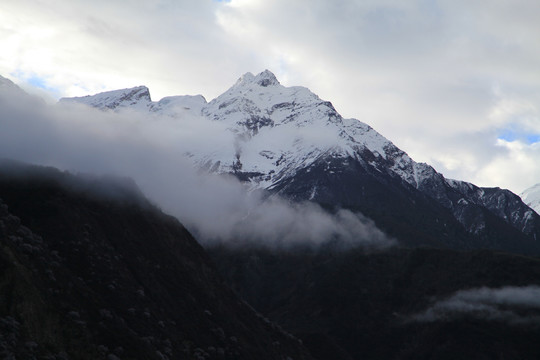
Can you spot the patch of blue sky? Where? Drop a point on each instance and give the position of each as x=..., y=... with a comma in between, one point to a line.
x=513, y=133
x=533, y=138
x=507, y=135
x=31, y=79
x=38, y=82
x=42, y=83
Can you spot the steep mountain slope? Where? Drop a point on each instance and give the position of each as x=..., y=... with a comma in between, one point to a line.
x=91, y=270
x=288, y=141
x=531, y=197
x=396, y=304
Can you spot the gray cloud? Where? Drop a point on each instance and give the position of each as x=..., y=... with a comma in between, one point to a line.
x=502, y=304
x=152, y=150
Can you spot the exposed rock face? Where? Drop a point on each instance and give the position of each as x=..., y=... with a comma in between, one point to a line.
x=110, y=276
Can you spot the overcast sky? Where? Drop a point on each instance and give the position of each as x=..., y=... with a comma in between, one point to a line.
x=453, y=83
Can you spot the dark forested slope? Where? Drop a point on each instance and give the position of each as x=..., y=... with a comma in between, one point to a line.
x=89, y=269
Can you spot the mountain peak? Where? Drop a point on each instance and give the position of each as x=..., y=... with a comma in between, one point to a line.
x=265, y=78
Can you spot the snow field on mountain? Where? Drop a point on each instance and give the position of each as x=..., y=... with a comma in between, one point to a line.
x=531, y=197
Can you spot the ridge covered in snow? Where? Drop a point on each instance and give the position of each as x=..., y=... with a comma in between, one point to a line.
x=138, y=98
x=276, y=130
x=531, y=197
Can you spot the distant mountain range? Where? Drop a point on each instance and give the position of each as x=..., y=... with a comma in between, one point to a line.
x=289, y=142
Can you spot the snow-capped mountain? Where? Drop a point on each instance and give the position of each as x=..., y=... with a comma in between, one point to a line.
x=138, y=98
x=282, y=129
x=288, y=141
x=531, y=197
x=277, y=129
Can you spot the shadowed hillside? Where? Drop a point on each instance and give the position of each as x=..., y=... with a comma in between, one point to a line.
x=396, y=304
x=91, y=270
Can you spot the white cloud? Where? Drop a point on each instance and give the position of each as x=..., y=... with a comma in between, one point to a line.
x=441, y=79
x=516, y=164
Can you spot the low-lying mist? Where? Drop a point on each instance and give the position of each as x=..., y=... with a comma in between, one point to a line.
x=152, y=150
x=512, y=304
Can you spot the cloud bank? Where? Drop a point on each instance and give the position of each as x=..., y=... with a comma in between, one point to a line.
x=505, y=304
x=152, y=150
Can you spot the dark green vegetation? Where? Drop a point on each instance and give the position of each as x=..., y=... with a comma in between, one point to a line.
x=358, y=305
x=90, y=270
